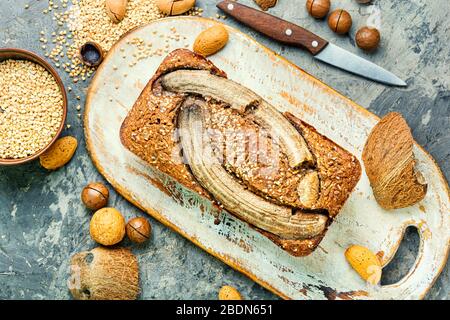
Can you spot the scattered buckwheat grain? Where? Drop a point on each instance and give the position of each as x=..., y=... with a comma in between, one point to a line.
x=31, y=108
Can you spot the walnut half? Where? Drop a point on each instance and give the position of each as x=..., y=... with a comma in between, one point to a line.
x=390, y=165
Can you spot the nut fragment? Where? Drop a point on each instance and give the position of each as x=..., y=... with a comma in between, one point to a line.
x=116, y=9
x=104, y=274
x=211, y=40
x=229, y=293
x=59, y=153
x=365, y=262
x=308, y=189
x=138, y=230
x=266, y=4
x=390, y=165
x=340, y=21
x=318, y=8
x=107, y=226
x=175, y=7
x=95, y=195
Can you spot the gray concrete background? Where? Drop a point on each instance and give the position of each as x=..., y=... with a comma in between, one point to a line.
x=42, y=220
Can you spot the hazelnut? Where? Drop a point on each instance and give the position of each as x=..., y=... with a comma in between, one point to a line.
x=340, y=21
x=107, y=226
x=318, y=8
x=138, y=230
x=367, y=38
x=95, y=195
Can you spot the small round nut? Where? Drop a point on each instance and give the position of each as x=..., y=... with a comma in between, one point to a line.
x=229, y=293
x=340, y=21
x=95, y=195
x=368, y=38
x=107, y=226
x=318, y=8
x=138, y=229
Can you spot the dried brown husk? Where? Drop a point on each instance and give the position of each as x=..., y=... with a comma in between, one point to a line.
x=390, y=164
x=104, y=274
x=266, y=4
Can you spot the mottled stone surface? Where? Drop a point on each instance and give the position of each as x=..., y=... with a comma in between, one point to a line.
x=42, y=221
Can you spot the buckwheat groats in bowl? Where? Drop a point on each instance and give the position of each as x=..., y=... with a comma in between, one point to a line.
x=32, y=109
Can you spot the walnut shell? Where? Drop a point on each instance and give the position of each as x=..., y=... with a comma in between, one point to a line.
x=104, y=274
x=266, y=4
x=107, y=226
x=389, y=162
x=211, y=40
x=175, y=7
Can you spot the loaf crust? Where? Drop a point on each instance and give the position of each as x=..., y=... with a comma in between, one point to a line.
x=148, y=131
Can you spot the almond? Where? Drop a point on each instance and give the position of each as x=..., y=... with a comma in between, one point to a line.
x=211, y=40
x=390, y=165
x=229, y=293
x=308, y=189
x=116, y=9
x=59, y=153
x=365, y=262
x=175, y=7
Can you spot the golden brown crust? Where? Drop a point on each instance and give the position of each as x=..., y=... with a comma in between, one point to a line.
x=148, y=132
x=339, y=170
x=153, y=117
x=389, y=162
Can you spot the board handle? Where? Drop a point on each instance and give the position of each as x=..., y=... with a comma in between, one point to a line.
x=430, y=260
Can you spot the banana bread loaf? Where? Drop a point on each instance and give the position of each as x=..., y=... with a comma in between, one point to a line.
x=227, y=144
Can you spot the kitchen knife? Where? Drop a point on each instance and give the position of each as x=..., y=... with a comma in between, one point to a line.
x=294, y=35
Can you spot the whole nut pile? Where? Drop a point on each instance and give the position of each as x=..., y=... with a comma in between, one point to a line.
x=31, y=108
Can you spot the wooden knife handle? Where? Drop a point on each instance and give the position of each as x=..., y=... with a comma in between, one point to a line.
x=274, y=27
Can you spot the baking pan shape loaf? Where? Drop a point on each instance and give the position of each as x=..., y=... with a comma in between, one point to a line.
x=224, y=142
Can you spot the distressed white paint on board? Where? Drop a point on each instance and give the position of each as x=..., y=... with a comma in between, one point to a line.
x=323, y=274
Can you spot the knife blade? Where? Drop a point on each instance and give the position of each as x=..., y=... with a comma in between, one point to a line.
x=294, y=35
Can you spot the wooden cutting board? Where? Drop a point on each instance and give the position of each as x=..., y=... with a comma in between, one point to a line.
x=325, y=274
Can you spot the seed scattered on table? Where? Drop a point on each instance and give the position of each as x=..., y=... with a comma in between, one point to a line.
x=87, y=20
x=31, y=108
